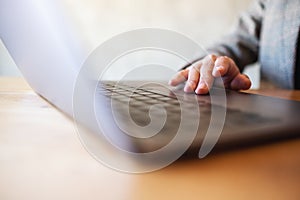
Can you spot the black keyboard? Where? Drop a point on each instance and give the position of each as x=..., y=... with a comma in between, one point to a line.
x=140, y=99
x=143, y=104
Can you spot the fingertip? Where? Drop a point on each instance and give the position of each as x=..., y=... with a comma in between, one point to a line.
x=188, y=88
x=202, y=89
x=175, y=81
x=178, y=78
x=172, y=82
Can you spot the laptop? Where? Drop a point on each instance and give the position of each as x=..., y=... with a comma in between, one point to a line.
x=137, y=116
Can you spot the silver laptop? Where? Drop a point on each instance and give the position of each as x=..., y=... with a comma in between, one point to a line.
x=136, y=116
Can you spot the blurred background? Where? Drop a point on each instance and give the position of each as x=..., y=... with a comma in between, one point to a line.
x=98, y=20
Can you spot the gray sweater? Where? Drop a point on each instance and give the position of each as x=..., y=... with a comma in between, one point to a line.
x=267, y=32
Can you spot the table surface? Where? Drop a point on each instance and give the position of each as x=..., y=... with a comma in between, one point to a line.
x=41, y=157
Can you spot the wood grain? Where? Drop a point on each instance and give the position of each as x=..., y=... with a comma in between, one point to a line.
x=41, y=157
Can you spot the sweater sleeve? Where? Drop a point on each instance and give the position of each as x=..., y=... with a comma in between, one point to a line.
x=242, y=43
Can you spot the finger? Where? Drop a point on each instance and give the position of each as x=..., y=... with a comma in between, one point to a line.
x=240, y=82
x=227, y=69
x=222, y=65
x=193, y=77
x=179, y=77
x=206, y=77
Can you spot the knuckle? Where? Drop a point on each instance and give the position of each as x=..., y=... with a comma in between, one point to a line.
x=198, y=63
x=181, y=73
x=227, y=58
x=223, y=61
x=212, y=57
x=208, y=63
x=196, y=66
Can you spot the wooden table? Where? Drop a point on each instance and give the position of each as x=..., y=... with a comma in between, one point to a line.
x=41, y=157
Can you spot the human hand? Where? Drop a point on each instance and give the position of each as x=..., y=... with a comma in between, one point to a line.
x=200, y=75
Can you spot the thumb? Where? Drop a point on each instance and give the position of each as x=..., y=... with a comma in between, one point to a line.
x=240, y=82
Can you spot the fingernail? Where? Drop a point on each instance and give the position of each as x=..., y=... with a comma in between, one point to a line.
x=202, y=88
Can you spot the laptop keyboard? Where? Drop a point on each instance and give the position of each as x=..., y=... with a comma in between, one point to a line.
x=139, y=100
x=130, y=103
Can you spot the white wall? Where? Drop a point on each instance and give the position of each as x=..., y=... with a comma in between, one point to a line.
x=98, y=20
x=202, y=20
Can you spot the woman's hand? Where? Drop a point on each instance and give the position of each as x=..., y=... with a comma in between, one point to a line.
x=200, y=75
